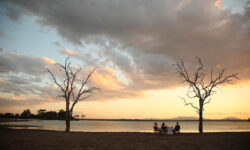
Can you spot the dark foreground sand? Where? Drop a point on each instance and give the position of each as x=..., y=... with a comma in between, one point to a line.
x=14, y=139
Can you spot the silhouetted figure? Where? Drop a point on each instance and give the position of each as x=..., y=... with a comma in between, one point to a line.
x=177, y=128
x=163, y=127
x=156, y=129
x=155, y=126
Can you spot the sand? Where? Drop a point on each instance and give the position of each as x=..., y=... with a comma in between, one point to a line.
x=23, y=139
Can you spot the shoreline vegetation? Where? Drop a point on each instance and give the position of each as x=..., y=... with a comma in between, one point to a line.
x=61, y=115
x=21, y=139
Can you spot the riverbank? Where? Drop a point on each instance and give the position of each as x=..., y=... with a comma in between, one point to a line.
x=23, y=139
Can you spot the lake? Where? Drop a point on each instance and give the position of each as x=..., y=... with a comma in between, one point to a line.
x=132, y=126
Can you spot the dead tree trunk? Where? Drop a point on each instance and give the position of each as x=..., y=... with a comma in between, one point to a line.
x=68, y=117
x=67, y=123
x=201, y=119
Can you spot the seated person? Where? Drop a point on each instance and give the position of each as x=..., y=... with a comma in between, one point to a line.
x=177, y=128
x=163, y=127
x=155, y=127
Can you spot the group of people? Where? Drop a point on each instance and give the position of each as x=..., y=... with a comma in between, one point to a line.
x=167, y=130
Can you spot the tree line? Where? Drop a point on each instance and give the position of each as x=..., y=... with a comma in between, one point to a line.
x=41, y=114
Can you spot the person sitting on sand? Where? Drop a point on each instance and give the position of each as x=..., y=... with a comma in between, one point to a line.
x=177, y=128
x=163, y=127
x=156, y=129
x=155, y=126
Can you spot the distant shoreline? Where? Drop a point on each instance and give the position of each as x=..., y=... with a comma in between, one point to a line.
x=158, y=120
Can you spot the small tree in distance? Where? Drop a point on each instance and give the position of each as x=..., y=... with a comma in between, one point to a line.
x=73, y=88
x=200, y=88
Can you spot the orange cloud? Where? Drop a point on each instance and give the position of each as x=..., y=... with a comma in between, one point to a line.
x=21, y=98
x=1, y=79
x=69, y=52
x=48, y=60
x=107, y=79
x=50, y=99
x=217, y=3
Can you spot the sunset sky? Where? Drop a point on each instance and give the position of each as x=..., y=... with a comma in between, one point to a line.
x=134, y=44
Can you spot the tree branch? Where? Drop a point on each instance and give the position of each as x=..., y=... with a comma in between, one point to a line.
x=191, y=104
x=54, y=80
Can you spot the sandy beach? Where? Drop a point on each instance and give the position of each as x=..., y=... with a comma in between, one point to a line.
x=22, y=139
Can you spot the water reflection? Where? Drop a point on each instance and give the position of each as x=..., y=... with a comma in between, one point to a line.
x=130, y=126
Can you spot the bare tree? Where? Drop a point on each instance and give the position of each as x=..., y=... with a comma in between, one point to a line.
x=72, y=87
x=200, y=88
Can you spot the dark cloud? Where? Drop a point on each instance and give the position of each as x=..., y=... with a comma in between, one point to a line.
x=14, y=62
x=153, y=34
x=10, y=10
x=2, y=50
x=21, y=85
x=85, y=57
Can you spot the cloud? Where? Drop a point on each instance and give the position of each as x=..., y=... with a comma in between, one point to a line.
x=10, y=10
x=69, y=52
x=87, y=58
x=148, y=37
x=16, y=63
x=18, y=102
x=23, y=80
x=24, y=77
x=2, y=50
x=217, y=3
x=24, y=84
x=48, y=61
x=137, y=42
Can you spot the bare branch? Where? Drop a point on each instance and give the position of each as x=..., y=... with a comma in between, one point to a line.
x=81, y=99
x=84, y=82
x=199, y=87
x=191, y=104
x=54, y=80
x=209, y=100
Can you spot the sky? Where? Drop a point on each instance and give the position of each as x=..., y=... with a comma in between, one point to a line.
x=134, y=45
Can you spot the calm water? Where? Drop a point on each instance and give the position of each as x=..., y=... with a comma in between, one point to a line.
x=134, y=126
